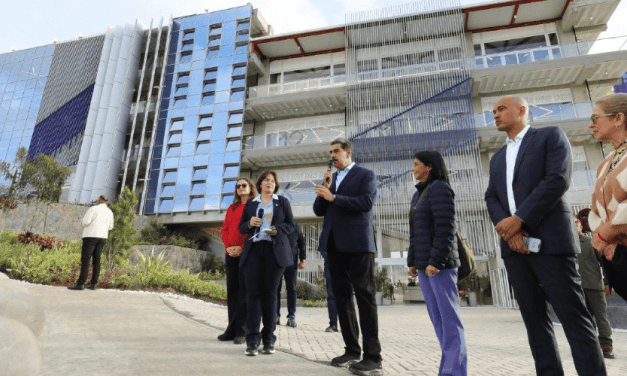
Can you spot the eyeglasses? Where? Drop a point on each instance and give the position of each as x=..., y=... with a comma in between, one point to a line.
x=594, y=118
x=238, y=186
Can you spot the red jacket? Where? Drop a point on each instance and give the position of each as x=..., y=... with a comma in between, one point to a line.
x=230, y=228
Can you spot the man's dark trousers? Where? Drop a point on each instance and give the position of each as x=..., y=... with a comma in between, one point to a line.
x=91, y=247
x=291, y=277
x=537, y=278
x=355, y=271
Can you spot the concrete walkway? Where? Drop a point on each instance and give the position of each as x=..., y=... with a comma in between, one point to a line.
x=107, y=332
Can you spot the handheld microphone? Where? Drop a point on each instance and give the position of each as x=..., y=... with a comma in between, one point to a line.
x=259, y=215
x=330, y=165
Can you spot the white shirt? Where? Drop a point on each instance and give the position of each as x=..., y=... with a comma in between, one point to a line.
x=97, y=222
x=341, y=174
x=510, y=162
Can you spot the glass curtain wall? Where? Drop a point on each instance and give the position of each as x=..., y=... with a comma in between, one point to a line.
x=198, y=143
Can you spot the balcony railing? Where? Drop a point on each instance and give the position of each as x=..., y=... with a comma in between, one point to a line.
x=544, y=113
x=618, y=43
x=297, y=86
x=293, y=138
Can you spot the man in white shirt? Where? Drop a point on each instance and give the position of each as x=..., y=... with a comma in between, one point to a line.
x=97, y=223
x=525, y=197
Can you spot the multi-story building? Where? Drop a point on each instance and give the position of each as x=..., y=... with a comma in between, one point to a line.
x=177, y=112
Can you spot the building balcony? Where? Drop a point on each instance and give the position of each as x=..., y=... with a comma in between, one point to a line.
x=296, y=86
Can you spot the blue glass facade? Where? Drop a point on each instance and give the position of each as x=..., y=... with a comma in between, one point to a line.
x=197, y=149
x=23, y=77
x=62, y=126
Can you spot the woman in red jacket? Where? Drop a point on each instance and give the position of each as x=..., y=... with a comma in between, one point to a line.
x=234, y=244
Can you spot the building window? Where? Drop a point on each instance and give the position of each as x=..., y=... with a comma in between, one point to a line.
x=183, y=78
x=234, y=131
x=211, y=74
x=239, y=70
x=200, y=173
x=208, y=98
x=177, y=124
x=168, y=190
x=202, y=148
x=198, y=188
x=173, y=150
x=236, y=118
x=238, y=82
x=205, y=121
x=243, y=25
x=188, y=35
x=213, y=52
x=241, y=48
x=215, y=29
x=175, y=137
x=186, y=57
x=166, y=205
x=238, y=95
x=181, y=90
x=197, y=203
x=214, y=41
x=204, y=134
x=169, y=176
x=231, y=171
x=242, y=36
x=187, y=45
x=180, y=102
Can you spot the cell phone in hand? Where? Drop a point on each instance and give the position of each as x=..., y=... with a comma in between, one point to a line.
x=533, y=244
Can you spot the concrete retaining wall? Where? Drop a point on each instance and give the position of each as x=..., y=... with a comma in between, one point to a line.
x=178, y=257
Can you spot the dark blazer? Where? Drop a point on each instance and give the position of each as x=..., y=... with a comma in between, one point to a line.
x=541, y=177
x=349, y=217
x=432, y=238
x=298, y=243
x=282, y=220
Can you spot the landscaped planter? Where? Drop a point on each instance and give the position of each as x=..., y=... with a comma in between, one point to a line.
x=412, y=294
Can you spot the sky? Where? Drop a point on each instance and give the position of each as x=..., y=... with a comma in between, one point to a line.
x=31, y=23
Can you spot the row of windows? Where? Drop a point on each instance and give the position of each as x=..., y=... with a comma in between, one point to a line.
x=416, y=58
x=242, y=13
x=27, y=54
x=239, y=48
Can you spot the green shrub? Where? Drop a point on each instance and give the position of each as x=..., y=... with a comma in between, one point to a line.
x=214, y=264
x=158, y=234
x=308, y=291
x=211, y=276
x=314, y=303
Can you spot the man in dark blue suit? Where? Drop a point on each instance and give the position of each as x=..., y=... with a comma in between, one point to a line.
x=525, y=196
x=345, y=200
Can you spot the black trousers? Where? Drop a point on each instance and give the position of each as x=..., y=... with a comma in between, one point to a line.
x=235, y=297
x=291, y=276
x=538, y=278
x=262, y=273
x=354, y=271
x=92, y=247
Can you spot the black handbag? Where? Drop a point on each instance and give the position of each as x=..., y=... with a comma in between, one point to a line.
x=466, y=257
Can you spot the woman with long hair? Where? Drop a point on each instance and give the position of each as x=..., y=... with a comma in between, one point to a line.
x=608, y=217
x=434, y=258
x=267, y=220
x=234, y=244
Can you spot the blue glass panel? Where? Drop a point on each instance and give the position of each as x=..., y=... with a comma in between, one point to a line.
x=182, y=189
x=188, y=35
x=226, y=201
x=208, y=99
x=222, y=96
x=202, y=148
x=177, y=124
x=218, y=132
x=184, y=176
x=238, y=82
x=180, y=204
x=171, y=163
x=149, y=207
x=173, y=151
x=197, y=203
x=181, y=90
x=541, y=55
x=187, y=149
x=169, y=176
x=186, y=162
x=231, y=172
x=214, y=42
x=229, y=186
x=234, y=131
x=243, y=25
x=211, y=74
x=241, y=58
x=215, y=17
x=177, y=113
x=211, y=63
x=167, y=191
x=187, y=47
x=236, y=118
x=213, y=52
x=185, y=58
x=214, y=178
x=210, y=86
x=233, y=145
x=193, y=100
x=240, y=49
x=196, y=57
x=212, y=202
x=222, y=107
x=215, y=30
x=204, y=134
x=226, y=60
x=198, y=188
x=206, y=109
x=166, y=206
x=175, y=138
x=230, y=14
x=510, y=59
x=201, y=160
x=205, y=121
x=200, y=42
x=171, y=59
x=177, y=24
x=523, y=57
x=193, y=111
x=203, y=20
x=200, y=174
x=190, y=22
x=234, y=157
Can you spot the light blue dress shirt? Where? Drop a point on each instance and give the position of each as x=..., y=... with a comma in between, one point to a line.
x=341, y=174
x=266, y=219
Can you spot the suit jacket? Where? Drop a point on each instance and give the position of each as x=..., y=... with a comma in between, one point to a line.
x=282, y=220
x=349, y=218
x=542, y=175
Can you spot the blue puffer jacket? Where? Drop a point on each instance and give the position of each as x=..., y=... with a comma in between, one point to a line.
x=432, y=229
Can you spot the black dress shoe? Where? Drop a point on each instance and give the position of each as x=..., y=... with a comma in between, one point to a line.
x=76, y=287
x=608, y=354
x=93, y=287
x=226, y=337
x=345, y=360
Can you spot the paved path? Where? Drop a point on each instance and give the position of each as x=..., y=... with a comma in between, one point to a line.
x=108, y=332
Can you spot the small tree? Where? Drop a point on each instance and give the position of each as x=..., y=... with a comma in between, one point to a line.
x=11, y=190
x=121, y=238
x=46, y=177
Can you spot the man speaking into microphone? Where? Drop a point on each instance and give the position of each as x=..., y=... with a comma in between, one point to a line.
x=346, y=200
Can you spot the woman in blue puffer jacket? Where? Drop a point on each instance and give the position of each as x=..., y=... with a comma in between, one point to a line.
x=433, y=257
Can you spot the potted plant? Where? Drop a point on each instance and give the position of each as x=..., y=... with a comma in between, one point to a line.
x=412, y=292
x=380, y=281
